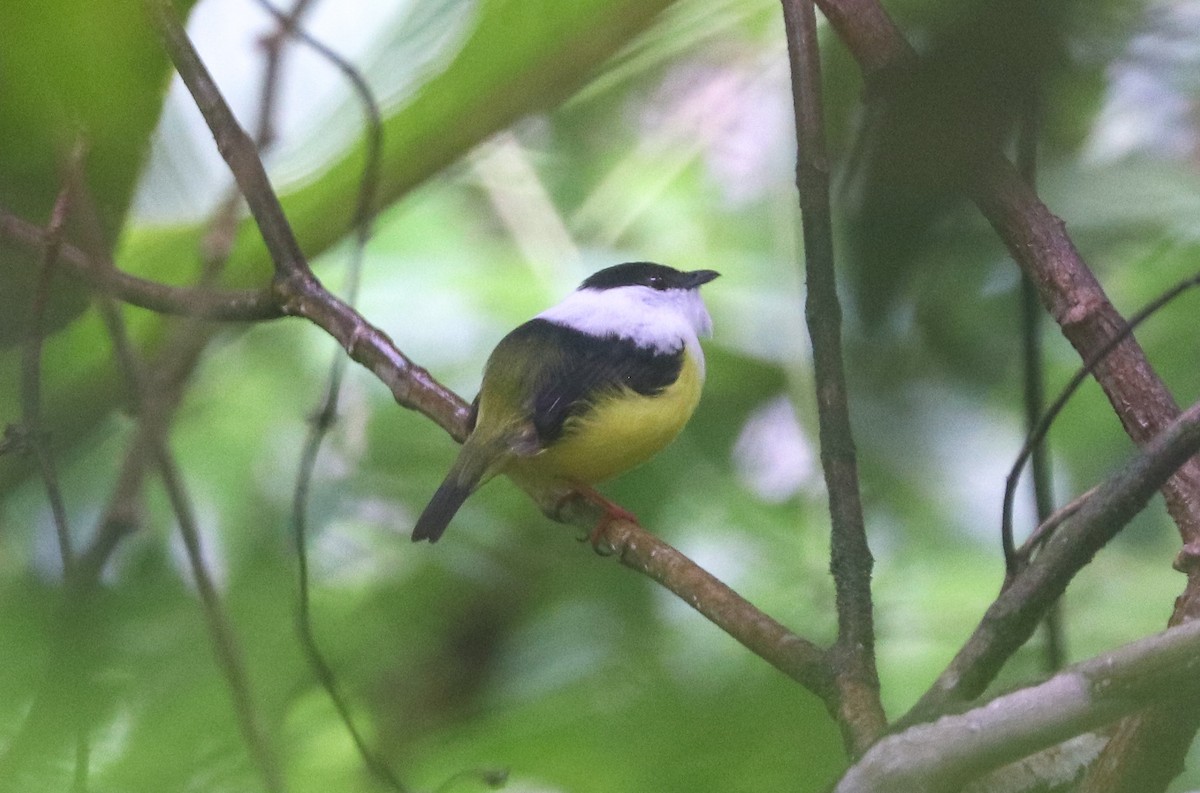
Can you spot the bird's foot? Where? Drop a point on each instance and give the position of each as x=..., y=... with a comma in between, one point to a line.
x=611, y=513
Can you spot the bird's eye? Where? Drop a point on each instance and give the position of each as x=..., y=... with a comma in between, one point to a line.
x=656, y=282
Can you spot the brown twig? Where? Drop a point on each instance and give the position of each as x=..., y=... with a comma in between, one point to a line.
x=302, y=295
x=155, y=394
x=31, y=377
x=297, y=290
x=229, y=655
x=68, y=634
x=323, y=420
x=798, y=658
x=1032, y=366
x=1012, y=618
x=230, y=305
x=1038, y=242
x=154, y=409
x=274, y=46
x=861, y=714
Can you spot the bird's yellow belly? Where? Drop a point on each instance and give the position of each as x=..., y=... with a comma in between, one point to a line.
x=619, y=432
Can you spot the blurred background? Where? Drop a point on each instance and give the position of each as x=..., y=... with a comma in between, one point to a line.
x=509, y=644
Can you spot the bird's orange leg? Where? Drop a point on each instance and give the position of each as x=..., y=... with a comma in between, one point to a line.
x=613, y=512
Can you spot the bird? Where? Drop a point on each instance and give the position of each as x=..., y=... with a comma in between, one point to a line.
x=586, y=390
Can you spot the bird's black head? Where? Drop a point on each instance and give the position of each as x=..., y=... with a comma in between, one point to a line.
x=655, y=276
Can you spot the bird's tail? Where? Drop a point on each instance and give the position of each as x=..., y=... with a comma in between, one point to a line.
x=466, y=475
x=441, y=508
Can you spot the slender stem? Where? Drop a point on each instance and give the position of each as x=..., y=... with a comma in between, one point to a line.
x=853, y=655
x=1038, y=433
x=1033, y=367
x=155, y=402
x=1012, y=618
x=274, y=46
x=229, y=655
x=70, y=635
x=300, y=294
x=31, y=380
x=1038, y=242
x=326, y=415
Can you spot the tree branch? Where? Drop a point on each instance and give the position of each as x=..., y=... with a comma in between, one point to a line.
x=796, y=657
x=1012, y=618
x=31, y=373
x=1038, y=241
x=861, y=714
x=297, y=290
x=230, y=305
x=301, y=294
x=946, y=754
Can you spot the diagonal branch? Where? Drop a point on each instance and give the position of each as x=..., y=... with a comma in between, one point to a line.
x=301, y=294
x=1070, y=292
x=297, y=290
x=853, y=655
x=1038, y=241
x=946, y=754
x=797, y=658
x=1012, y=618
x=229, y=305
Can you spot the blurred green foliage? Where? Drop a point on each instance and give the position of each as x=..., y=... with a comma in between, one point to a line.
x=509, y=645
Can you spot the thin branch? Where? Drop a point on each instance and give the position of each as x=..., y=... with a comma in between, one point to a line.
x=298, y=291
x=274, y=46
x=229, y=655
x=1015, y=559
x=853, y=655
x=230, y=305
x=944, y=755
x=155, y=397
x=1038, y=241
x=326, y=415
x=798, y=658
x=1012, y=618
x=150, y=440
x=68, y=635
x=413, y=387
x=1032, y=366
x=31, y=377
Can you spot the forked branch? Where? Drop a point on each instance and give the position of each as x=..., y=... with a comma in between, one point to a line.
x=299, y=293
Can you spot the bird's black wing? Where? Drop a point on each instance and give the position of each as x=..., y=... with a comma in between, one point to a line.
x=570, y=370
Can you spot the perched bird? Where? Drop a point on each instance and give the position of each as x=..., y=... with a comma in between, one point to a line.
x=585, y=390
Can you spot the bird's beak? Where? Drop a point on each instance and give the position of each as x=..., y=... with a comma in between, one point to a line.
x=696, y=278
